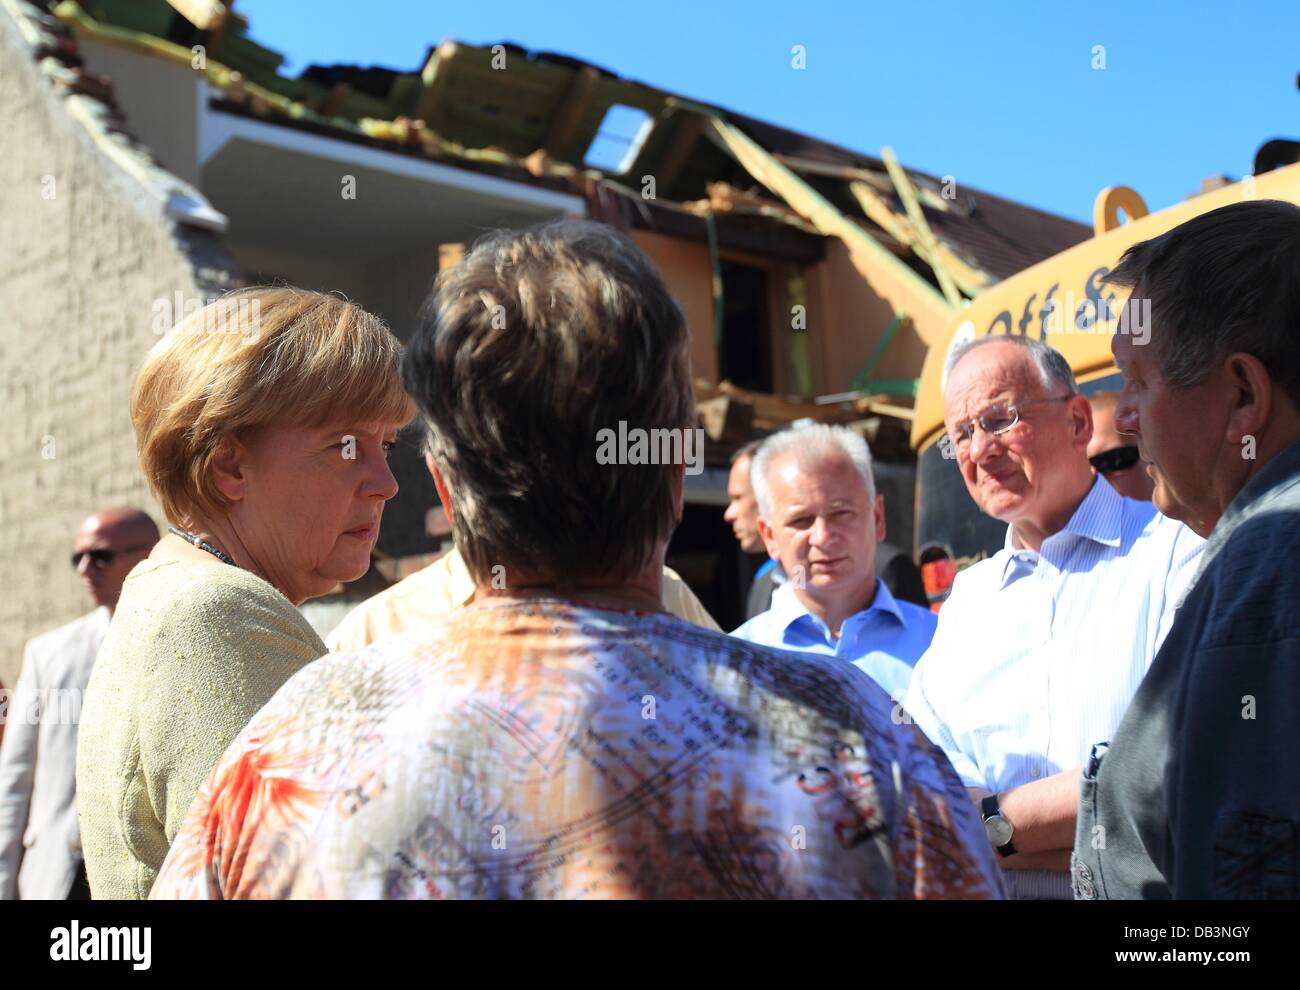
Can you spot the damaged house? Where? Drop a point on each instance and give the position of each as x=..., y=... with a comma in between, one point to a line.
x=155, y=157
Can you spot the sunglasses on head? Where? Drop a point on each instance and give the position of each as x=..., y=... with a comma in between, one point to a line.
x=1110, y=461
x=101, y=558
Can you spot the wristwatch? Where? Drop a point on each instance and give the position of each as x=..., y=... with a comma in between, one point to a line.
x=997, y=827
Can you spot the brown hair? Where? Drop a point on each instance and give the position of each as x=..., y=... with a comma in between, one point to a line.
x=528, y=348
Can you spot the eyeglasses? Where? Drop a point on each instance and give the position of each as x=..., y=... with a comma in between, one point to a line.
x=102, y=558
x=1110, y=461
x=999, y=418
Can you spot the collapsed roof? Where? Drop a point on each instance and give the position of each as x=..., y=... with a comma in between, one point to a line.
x=692, y=169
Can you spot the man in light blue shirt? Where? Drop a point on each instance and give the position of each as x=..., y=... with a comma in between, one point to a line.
x=1041, y=647
x=820, y=516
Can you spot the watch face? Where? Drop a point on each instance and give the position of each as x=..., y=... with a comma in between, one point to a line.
x=998, y=830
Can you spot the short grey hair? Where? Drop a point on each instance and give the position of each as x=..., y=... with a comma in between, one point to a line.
x=1053, y=370
x=1224, y=281
x=812, y=442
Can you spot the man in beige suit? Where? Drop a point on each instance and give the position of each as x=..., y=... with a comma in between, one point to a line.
x=445, y=585
x=423, y=597
x=40, y=841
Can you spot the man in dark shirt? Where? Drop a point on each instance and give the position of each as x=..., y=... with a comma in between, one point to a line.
x=1198, y=794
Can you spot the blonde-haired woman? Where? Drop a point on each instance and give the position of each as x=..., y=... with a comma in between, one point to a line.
x=263, y=425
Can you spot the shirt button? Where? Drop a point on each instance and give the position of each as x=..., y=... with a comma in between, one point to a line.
x=1035, y=772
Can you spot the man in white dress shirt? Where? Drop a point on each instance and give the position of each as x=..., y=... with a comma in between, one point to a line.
x=1041, y=647
x=40, y=840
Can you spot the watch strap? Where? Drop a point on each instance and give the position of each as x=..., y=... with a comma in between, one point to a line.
x=989, y=808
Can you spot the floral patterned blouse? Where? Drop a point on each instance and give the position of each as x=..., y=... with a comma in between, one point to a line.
x=534, y=748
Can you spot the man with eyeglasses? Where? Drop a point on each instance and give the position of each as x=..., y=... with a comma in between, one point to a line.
x=1040, y=648
x=1113, y=456
x=40, y=840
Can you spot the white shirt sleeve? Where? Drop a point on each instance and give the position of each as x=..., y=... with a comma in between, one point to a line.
x=1184, y=561
x=944, y=649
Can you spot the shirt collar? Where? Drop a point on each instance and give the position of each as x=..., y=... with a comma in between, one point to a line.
x=462, y=586
x=787, y=609
x=1099, y=517
x=885, y=602
x=1281, y=471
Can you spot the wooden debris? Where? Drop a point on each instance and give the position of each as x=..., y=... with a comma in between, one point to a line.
x=969, y=279
x=925, y=235
x=203, y=14
x=449, y=255
x=726, y=420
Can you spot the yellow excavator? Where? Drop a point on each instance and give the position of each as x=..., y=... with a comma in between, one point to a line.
x=1060, y=300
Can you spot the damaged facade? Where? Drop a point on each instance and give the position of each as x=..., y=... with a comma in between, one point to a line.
x=813, y=278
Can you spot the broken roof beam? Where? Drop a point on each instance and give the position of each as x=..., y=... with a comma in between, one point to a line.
x=232, y=83
x=674, y=158
x=925, y=235
x=434, y=76
x=969, y=279
x=879, y=180
x=502, y=97
x=203, y=14
x=573, y=108
x=477, y=98
x=868, y=402
x=770, y=410
x=608, y=92
x=916, y=294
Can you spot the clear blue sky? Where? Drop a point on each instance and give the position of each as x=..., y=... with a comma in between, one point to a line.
x=1001, y=95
